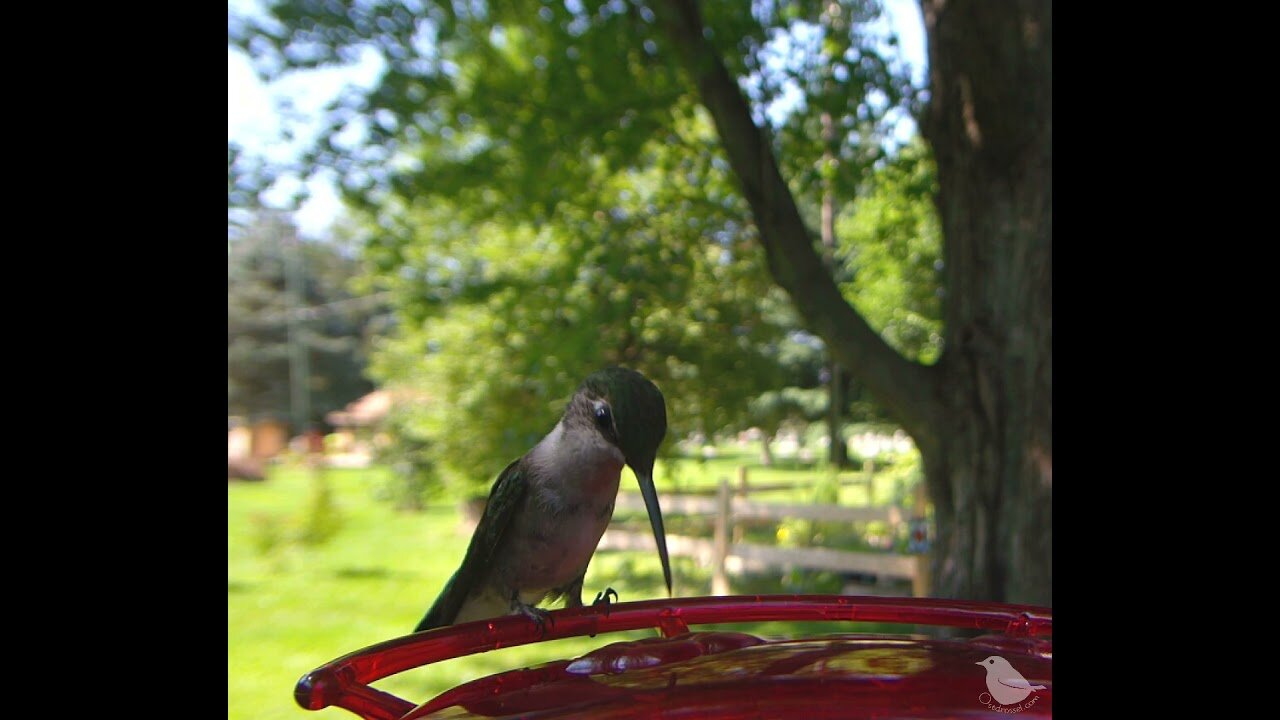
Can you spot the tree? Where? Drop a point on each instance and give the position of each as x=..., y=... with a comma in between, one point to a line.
x=989, y=425
x=517, y=106
x=889, y=251
x=500, y=316
x=329, y=326
x=830, y=141
x=981, y=415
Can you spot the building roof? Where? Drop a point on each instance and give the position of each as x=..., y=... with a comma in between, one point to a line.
x=362, y=412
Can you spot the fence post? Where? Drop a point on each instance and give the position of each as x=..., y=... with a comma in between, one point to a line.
x=719, y=578
x=738, y=529
x=921, y=584
x=869, y=467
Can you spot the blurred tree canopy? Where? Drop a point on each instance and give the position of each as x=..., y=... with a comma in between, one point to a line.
x=889, y=262
x=502, y=315
x=545, y=184
x=259, y=304
x=505, y=246
x=891, y=246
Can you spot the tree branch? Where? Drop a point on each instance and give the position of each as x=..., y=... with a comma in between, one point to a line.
x=905, y=388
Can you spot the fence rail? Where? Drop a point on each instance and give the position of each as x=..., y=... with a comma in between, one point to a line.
x=756, y=510
x=751, y=556
x=730, y=506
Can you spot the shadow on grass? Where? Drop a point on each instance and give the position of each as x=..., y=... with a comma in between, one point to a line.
x=623, y=573
x=235, y=586
x=363, y=573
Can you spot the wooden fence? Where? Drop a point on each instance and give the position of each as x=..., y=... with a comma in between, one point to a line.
x=725, y=552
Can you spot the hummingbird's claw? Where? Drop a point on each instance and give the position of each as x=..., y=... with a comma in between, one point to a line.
x=602, y=598
x=540, y=617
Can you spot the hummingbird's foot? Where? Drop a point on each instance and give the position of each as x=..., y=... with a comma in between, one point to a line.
x=602, y=598
x=540, y=617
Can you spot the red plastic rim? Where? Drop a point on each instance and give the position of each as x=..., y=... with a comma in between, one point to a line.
x=344, y=682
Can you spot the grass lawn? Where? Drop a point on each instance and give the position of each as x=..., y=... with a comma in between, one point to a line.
x=293, y=607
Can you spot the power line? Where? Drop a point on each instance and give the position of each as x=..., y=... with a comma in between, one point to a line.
x=315, y=312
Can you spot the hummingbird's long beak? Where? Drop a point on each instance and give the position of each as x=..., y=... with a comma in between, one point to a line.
x=650, y=494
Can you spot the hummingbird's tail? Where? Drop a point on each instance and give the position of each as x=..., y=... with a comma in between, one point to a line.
x=443, y=610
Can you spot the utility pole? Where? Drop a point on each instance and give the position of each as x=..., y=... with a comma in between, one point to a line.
x=299, y=357
x=837, y=451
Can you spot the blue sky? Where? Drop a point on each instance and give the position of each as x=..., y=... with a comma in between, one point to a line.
x=254, y=123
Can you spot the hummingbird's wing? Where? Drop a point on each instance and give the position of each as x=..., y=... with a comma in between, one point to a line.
x=504, y=498
x=572, y=593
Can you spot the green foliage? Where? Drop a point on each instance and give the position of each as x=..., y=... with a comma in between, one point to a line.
x=267, y=533
x=514, y=105
x=841, y=73
x=321, y=520
x=413, y=479
x=500, y=319
x=892, y=244
x=826, y=490
x=772, y=410
x=246, y=177
x=273, y=535
x=904, y=476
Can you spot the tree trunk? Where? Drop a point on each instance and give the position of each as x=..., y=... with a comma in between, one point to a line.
x=837, y=451
x=982, y=416
x=837, y=448
x=989, y=470
x=766, y=454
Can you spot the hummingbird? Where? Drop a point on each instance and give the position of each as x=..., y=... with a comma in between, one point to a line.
x=548, y=509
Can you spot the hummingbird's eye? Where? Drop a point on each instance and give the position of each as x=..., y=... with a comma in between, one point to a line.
x=604, y=418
